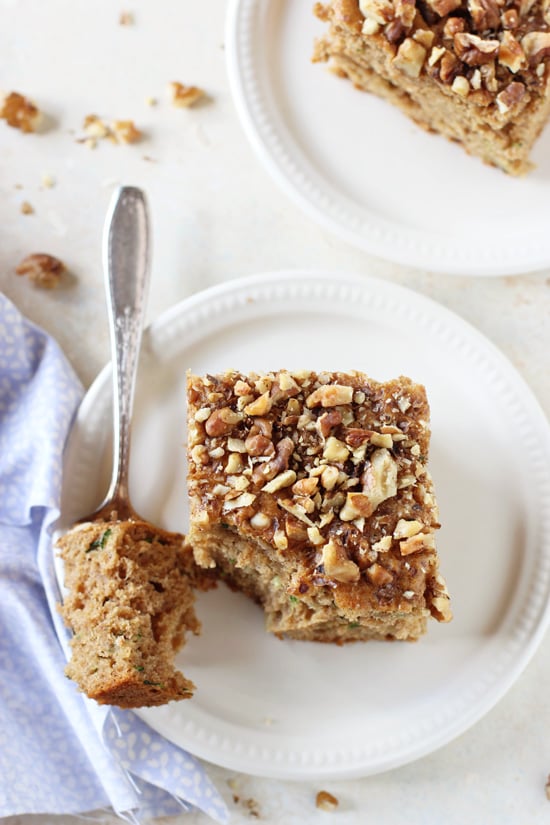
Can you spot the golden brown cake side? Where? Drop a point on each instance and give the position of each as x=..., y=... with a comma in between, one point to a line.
x=310, y=493
x=129, y=603
x=473, y=70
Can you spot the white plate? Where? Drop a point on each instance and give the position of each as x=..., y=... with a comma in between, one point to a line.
x=297, y=709
x=358, y=166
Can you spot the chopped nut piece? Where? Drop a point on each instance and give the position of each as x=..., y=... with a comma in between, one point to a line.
x=485, y=14
x=381, y=11
x=20, y=113
x=510, y=53
x=404, y=529
x=330, y=395
x=461, y=86
x=27, y=208
x=329, y=477
x=378, y=575
x=325, y=801
x=335, y=450
x=222, y=421
x=185, y=96
x=381, y=440
x=356, y=505
x=383, y=545
x=284, y=479
x=260, y=521
x=380, y=477
x=421, y=541
x=244, y=500
x=125, y=131
x=260, y=406
x=443, y=7
x=337, y=565
x=43, y=270
x=512, y=97
x=473, y=50
x=410, y=57
x=536, y=45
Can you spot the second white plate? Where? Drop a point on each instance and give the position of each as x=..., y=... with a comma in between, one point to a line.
x=363, y=170
x=297, y=709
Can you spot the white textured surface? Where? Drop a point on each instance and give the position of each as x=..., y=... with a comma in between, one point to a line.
x=217, y=215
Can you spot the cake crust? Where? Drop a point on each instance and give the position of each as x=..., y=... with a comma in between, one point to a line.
x=472, y=70
x=310, y=493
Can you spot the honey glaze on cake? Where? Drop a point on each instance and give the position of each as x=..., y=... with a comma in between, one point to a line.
x=310, y=493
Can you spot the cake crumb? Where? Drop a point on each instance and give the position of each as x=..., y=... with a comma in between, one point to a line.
x=126, y=18
x=126, y=131
x=325, y=801
x=20, y=113
x=151, y=101
x=27, y=208
x=252, y=807
x=119, y=131
x=42, y=270
x=185, y=96
x=48, y=182
x=547, y=787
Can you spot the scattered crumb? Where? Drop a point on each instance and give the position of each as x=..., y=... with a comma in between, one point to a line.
x=268, y=721
x=27, y=208
x=43, y=270
x=126, y=18
x=185, y=96
x=325, y=801
x=18, y=186
x=119, y=131
x=151, y=101
x=47, y=181
x=149, y=159
x=547, y=787
x=126, y=131
x=20, y=113
x=252, y=807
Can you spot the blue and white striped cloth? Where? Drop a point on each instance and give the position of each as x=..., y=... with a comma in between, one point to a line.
x=60, y=753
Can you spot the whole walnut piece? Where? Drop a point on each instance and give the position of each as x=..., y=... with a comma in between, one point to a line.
x=42, y=269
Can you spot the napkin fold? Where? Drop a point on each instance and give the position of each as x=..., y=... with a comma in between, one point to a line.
x=60, y=753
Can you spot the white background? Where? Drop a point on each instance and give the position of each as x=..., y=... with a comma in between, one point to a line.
x=217, y=215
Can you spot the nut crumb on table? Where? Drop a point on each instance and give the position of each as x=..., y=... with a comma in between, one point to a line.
x=119, y=131
x=42, y=270
x=185, y=96
x=20, y=113
x=126, y=18
x=27, y=208
x=325, y=801
x=547, y=787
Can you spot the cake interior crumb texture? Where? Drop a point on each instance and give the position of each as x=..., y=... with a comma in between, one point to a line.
x=129, y=603
x=475, y=71
x=310, y=493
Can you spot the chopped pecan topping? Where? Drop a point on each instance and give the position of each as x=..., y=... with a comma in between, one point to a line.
x=336, y=564
x=510, y=53
x=485, y=14
x=536, y=45
x=222, y=421
x=410, y=57
x=473, y=50
x=512, y=97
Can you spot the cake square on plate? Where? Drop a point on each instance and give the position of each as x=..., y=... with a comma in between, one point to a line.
x=310, y=493
x=473, y=70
